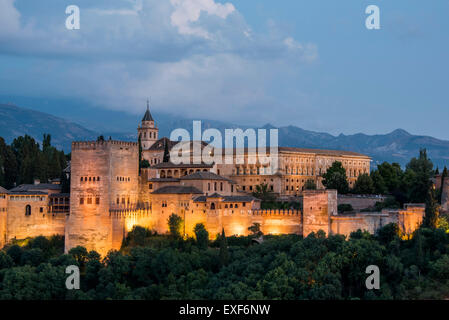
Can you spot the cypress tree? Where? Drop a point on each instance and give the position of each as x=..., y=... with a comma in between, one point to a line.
x=166, y=153
x=443, y=177
x=431, y=217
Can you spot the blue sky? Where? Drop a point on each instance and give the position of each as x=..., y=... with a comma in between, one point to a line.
x=307, y=63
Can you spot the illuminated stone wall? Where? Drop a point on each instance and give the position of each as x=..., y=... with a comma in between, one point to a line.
x=360, y=202
x=318, y=207
x=408, y=220
x=111, y=170
x=38, y=223
x=3, y=217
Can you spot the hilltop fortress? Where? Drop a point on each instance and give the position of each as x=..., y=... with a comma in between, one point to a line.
x=110, y=195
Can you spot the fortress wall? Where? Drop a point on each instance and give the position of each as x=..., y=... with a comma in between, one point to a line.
x=359, y=202
x=318, y=206
x=21, y=226
x=3, y=219
x=89, y=224
x=410, y=219
x=345, y=224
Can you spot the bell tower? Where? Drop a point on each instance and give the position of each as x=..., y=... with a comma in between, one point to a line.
x=147, y=131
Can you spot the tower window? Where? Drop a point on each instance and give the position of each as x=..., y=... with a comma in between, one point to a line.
x=28, y=210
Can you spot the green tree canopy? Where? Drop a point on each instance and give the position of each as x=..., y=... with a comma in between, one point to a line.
x=175, y=225
x=364, y=185
x=335, y=178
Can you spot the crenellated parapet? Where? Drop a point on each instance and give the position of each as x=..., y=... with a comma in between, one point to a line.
x=101, y=143
x=276, y=212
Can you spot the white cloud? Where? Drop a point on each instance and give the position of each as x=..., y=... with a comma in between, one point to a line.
x=199, y=56
x=9, y=18
x=189, y=11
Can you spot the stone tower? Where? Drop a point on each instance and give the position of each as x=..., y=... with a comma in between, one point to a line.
x=147, y=131
x=318, y=207
x=104, y=176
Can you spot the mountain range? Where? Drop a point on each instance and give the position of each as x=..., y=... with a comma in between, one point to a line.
x=397, y=146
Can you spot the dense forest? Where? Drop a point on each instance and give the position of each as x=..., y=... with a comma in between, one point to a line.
x=151, y=266
x=24, y=160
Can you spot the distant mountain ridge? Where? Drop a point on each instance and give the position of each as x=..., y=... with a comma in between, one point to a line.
x=397, y=146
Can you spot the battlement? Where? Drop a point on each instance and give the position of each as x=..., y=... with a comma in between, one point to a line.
x=91, y=145
x=277, y=212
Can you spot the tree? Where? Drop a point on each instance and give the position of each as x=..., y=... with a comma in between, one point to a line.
x=202, y=236
x=378, y=182
x=431, y=215
x=175, y=225
x=310, y=185
x=166, y=153
x=419, y=172
x=363, y=185
x=255, y=229
x=263, y=193
x=224, y=254
x=335, y=178
x=392, y=175
x=443, y=177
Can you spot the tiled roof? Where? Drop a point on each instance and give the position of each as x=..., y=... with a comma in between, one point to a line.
x=168, y=165
x=227, y=198
x=323, y=152
x=204, y=176
x=3, y=191
x=164, y=180
x=31, y=193
x=160, y=144
x=177, y=190
x=36, y=187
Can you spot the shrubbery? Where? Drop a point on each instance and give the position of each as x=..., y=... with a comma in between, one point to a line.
x=152, y=266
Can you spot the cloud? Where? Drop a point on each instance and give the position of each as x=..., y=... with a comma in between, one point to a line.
x=9, y=18
x=188, y=11
x=198, y=57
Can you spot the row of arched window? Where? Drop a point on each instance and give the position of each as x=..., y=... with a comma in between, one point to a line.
x=89, y=179
x=123, y=179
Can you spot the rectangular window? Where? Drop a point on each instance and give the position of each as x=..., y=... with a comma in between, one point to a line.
x=97, y=200
x=81, y=201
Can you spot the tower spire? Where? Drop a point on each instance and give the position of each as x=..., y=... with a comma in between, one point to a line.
x=147, y=116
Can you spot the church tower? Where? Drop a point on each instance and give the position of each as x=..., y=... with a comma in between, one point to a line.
x=147, y=131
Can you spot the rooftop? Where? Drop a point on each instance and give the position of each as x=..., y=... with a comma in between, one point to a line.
x=323, y=152
x=3, y=190
x=227, y=198
x=36, y=187
x=177, y=190
x=169, y=165
x=204, y=176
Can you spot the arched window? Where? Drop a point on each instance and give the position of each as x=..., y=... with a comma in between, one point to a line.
x=212, y=206
x=28, y=210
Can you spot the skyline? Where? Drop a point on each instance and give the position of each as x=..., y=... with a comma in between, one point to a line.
x=301, y=64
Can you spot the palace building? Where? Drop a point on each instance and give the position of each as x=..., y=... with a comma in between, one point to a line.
x=109, y=195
